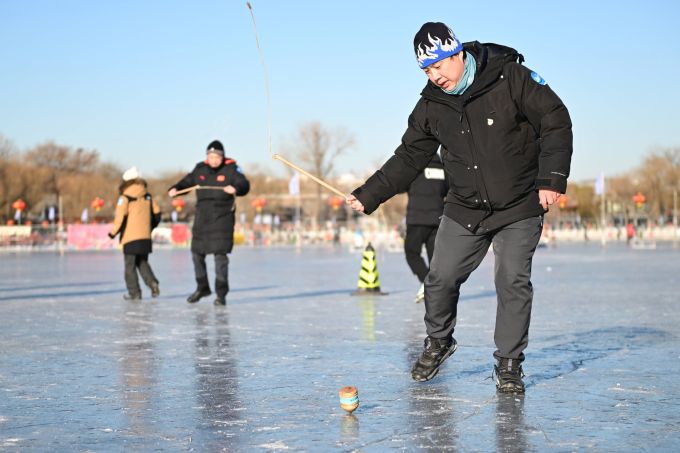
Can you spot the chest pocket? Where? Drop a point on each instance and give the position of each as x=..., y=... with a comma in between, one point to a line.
x=501, y=133
x=460, y=175
x=446, y=125
x=456, y=154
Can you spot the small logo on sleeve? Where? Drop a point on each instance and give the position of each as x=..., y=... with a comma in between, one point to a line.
x=537, y=78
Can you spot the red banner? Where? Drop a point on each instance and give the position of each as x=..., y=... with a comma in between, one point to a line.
x=90, y=237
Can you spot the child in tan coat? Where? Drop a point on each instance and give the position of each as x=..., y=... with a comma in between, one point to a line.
x=136, y=215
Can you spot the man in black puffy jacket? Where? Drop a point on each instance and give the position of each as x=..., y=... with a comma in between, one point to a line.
x=213, y=230
x=507, y=144
x=423, y=213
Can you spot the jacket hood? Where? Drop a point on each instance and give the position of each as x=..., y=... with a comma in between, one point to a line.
x=135, y=188
x=490, y=59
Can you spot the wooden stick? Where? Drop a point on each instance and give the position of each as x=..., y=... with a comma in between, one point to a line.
x=314, y=178
x=187, y=190
x=197, y=187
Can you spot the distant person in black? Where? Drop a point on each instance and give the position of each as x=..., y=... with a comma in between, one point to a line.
x=213, y=230
x=423, y=213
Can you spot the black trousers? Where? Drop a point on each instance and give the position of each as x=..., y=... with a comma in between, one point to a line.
x=221, y=273
x=457, y=253
x=134, y=263
x=416, y=236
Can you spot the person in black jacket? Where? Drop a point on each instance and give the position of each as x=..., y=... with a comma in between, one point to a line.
x=423, y=213
x=507, y=144
x=213, y=230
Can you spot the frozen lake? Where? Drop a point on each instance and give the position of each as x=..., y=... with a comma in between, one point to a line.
x=83, y=370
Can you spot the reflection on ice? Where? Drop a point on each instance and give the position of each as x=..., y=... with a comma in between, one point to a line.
x=81, y=369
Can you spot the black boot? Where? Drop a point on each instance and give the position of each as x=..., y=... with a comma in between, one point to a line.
x=220, y=301
x=155, y=290
x=200, y=292
x=436, y=351
x=509, y=376
x=221, y=289
x=132, y=296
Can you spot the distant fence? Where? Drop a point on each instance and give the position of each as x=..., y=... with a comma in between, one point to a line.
x=84, y=236
x=178, y=235
x=666, y=233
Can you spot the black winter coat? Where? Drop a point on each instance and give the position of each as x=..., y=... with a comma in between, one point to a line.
x=213, y=230
x=506, y=136
x=426, y=195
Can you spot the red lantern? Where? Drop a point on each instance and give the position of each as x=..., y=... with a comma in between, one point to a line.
x=179, y=234
x=97, y=204
x=178, y=204
x=335, y=202
x=562, y=202
x=639, y=199
x=258, y=203
x=19, y=205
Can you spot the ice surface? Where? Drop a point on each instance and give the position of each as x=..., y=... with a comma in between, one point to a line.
x=82, y=369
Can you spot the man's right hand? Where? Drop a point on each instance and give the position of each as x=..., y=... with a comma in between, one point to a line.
x=354, y=203
x=548, y=197
x=172, y=192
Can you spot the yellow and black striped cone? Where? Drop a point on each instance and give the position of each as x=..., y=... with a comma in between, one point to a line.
x=369, y=280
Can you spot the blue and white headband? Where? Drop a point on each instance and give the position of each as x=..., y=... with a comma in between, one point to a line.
x=433, y=42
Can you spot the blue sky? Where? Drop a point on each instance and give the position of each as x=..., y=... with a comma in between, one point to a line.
x=151, y=83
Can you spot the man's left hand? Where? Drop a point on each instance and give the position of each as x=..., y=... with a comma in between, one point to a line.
x=548, y=197
x=231, y=190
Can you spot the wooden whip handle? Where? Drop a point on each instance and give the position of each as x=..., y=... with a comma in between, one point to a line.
x=187, y=190
x=312, y=177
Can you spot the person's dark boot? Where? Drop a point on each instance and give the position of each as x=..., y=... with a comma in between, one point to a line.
x=436, y=351
x=509, y=374
x=155, y=290
x=220, y=301
x=221, y=289
x=196, y=296
x=132, y=296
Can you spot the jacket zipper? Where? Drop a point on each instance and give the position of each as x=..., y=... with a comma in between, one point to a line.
x=483, y=195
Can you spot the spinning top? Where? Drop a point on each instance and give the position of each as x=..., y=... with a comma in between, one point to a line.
x=349, y=398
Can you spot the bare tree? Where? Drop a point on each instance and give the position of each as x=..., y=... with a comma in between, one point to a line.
x=584, y=197
x=23, y=180
x=672, y=157
x=18, y=179
x=61, y=161
x=318, y=148
x=7, y=148
x=7, y=151
x=657, y=179
x=77, y=175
